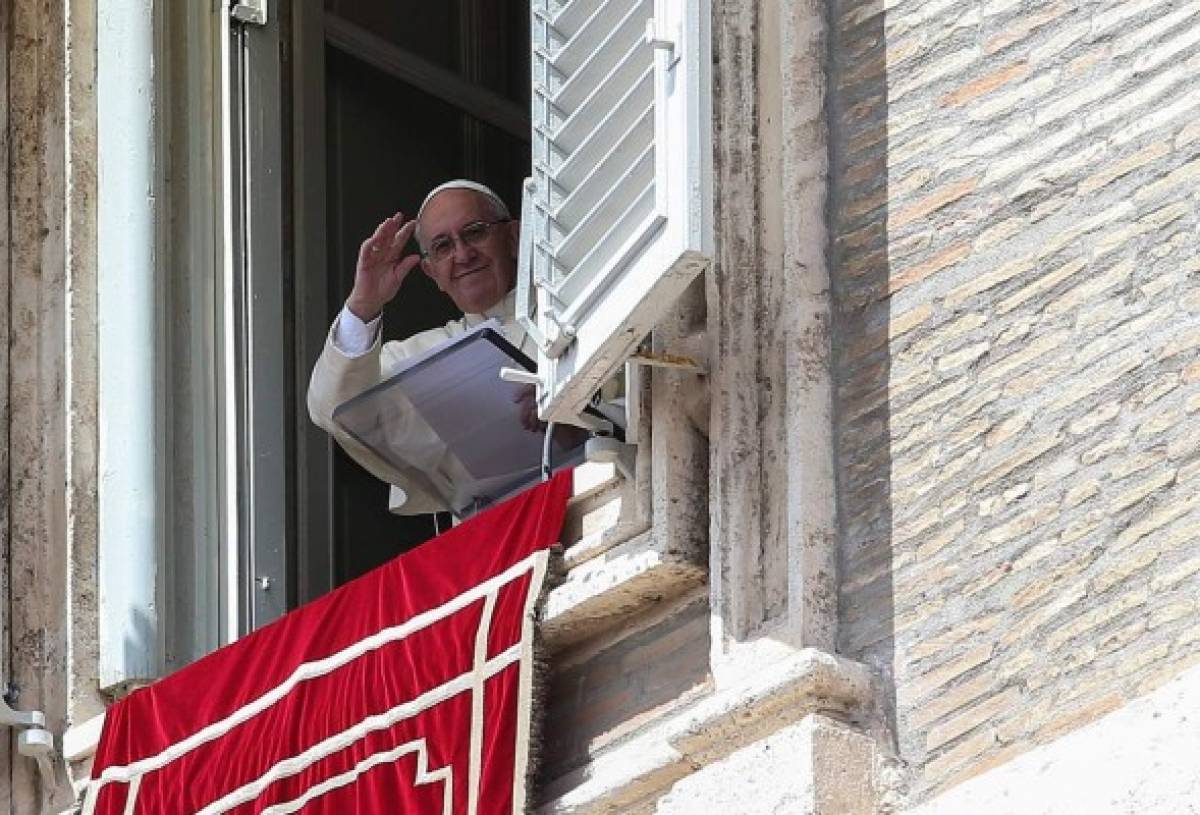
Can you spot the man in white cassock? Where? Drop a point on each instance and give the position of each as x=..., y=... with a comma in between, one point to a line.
x=469, y=244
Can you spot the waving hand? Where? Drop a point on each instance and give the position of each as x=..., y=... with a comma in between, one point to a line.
x=382, y=267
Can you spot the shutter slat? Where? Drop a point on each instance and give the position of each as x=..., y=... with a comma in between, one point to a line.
x=603, y=99
x=601, y=61
x=624, y=230
x=593, y=131
x=617, y=198
x=583, y=134
x=569, y=16
x=625, y=114
x=581, y=46
x=622, y=154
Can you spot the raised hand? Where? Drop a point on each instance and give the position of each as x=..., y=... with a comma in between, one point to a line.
x=382, y=267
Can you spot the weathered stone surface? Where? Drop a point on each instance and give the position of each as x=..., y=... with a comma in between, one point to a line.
x=817, y=766
x=47, y=409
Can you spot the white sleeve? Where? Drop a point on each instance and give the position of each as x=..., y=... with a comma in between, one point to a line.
x=352, y=336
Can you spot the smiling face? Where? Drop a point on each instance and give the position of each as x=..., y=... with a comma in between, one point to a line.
x=476, y=277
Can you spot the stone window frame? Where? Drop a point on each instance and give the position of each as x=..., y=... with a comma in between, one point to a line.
x=633, y=544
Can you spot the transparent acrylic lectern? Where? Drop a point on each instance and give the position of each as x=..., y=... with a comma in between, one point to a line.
x=450, y=425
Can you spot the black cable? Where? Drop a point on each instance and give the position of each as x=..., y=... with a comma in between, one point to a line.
x=547, y=451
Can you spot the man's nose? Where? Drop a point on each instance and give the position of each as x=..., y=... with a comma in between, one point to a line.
x=463, y=251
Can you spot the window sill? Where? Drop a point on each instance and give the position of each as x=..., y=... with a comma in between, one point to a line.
x=622, y=556
x=622, y=580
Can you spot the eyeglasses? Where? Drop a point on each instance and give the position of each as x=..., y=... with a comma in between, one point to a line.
x=472, y=234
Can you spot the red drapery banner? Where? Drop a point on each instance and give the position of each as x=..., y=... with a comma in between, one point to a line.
x=407, y=690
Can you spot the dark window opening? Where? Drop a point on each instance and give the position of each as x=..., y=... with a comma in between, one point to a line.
x=403, y=84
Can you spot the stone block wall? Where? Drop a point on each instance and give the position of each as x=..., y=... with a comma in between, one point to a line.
x=603, y=690
x=1015, y=209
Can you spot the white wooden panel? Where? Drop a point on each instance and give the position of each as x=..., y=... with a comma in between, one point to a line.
x=617, y=224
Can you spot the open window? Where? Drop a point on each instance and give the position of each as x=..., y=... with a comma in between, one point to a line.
x=617, y=209
x=617, y=202
x=392, y=99
x=617, y=228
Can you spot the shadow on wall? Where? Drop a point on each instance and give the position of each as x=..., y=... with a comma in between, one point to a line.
x=141, y=651
x=859, y=270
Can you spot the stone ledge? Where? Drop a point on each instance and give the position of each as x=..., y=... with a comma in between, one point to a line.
x=620, y=582
x=631, y=774
x=817, y=766
x=80, y=741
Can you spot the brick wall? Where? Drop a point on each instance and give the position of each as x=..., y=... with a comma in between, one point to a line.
x=1016, y=204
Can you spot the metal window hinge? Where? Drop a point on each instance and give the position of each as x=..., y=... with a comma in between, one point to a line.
x=33, y=739
x=658, y=359
x=662, y=40
x=253, y=12
x=559, y=335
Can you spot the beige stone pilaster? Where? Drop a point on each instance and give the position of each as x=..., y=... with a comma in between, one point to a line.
x=49, y=378
x=775, y=532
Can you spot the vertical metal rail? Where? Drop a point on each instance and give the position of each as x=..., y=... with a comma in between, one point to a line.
x=256, y=353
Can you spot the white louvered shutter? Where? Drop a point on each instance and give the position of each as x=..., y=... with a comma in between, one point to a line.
x=616, y=213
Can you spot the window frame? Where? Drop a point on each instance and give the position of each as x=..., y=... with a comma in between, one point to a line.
x=583, y=342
